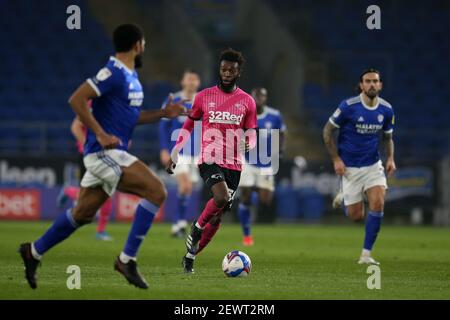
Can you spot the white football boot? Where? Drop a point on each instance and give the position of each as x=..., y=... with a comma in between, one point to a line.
x=368, y=260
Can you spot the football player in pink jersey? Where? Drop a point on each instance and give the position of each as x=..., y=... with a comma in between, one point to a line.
x=228, y=116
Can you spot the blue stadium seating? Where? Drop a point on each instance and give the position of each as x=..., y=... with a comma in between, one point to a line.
x=45, y=64
x=413, y=59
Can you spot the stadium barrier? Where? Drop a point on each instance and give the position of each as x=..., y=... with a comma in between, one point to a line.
x=29, y=190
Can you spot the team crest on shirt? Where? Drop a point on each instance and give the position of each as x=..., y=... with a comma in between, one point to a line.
x=238, y=105
x=337, y=113
x=380, y=118
x=211, y=105
x=103, y=74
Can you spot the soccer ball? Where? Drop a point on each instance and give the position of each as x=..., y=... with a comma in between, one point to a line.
x=236, y=264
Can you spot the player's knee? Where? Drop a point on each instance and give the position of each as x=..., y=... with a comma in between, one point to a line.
x=185, y=190
x=267, y=201
x=215, y=221
x=377, y=205
x=221, y=200
x=245, y=201
x=159, y=196
x=356, y=216
x=83, y=215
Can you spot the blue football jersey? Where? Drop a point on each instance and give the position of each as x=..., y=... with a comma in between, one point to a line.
x=268, y=120
x=118, y=104
x=167, y=127
x=359, y=130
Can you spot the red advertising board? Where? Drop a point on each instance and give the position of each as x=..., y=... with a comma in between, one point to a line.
x=126, y=207
x=20, y=204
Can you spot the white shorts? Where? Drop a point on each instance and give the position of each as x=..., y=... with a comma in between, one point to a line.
x=104, y=168
x=252, y=176
x=187, y=165
x=357, y=180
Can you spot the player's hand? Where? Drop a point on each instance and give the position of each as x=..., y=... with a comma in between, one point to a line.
x=390, y=167
x=173, y=110
x=108, y=141
x=170, y=166
x=164, y=156
x=339, y=166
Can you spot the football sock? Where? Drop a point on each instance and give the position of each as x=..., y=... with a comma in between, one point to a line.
x=62, y=227
x=183, y=201
x=207, y=235
x=244, y=217
x=143, y=218
x=373, y=225
x=210, y=211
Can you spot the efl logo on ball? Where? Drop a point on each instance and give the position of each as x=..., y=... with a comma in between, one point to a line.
x=236, y=264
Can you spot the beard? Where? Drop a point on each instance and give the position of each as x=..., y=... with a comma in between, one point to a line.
x=138, y=61
x=372, y=93
x=228, y=87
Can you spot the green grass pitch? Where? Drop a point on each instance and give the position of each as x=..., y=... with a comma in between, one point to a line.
x=289, y=262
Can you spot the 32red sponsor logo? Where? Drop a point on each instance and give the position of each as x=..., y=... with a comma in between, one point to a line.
x=20, y=204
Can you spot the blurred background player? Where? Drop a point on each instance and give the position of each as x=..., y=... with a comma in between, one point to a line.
x=259, y=176
x=356, y=159
x=186, y=171
x=116, y=110
x=71, y=192
x=226, y=112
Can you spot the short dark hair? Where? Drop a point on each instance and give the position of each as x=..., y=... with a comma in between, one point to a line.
x=369, y=70
x=190, y=71
x=125, y=36
x=232, y=55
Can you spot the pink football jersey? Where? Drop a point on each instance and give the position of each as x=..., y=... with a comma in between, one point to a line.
x=225, y=116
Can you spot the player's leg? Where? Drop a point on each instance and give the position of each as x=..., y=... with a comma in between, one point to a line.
x=210, y=230
x=244, y=213
x=246, y=185
x=352, y=186
x=374, y=185
x=139, y=180
x=184, y=192
x=266, y=186
x=213, y=225
x=103, y=218
x=375, y=197
x=89, y=201
x=212, y=208
x=214, y=179
x=355, y=211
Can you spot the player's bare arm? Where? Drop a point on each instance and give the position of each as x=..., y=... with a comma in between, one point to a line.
x=389, y=147
x=183, y=137
x=171, y=110
x=77, y=129
x=330, y=143
x=79, y=103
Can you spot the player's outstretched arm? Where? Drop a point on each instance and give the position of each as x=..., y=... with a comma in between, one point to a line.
x=183, y=137
x=330, y=143
x=171, y=110
x=79, y=103
x=389, y=147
